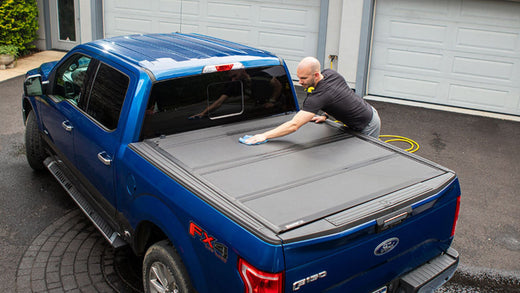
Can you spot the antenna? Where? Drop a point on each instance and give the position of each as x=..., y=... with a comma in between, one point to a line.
x=180, y=22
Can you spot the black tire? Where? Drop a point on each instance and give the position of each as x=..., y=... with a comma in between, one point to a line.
x=34, y=150
x=163, y=270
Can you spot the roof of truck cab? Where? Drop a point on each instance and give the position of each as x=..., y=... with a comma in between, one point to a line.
x=175, y=54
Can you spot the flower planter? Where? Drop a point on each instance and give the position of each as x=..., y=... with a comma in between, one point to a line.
x=6, y=61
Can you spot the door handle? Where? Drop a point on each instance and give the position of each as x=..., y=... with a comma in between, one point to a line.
x=67, y=126
x=104, y=158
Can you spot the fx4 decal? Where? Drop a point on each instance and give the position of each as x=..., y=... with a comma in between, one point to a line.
x=211, y=243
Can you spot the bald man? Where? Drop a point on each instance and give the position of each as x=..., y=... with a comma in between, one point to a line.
x=328, y=93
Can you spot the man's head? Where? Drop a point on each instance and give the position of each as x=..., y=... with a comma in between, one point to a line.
x=309, y=72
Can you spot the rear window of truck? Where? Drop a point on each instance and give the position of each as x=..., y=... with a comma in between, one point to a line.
x=217, y=98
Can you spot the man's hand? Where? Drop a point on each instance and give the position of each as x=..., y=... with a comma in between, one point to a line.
x=288, y=127
x=256, y=139
x=319, y=119
x=197, y=116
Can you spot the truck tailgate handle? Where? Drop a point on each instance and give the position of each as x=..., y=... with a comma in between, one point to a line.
x=104, y=158
x=67, y=126
x=393, y=219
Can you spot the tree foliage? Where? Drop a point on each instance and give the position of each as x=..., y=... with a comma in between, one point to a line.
x=18, y=23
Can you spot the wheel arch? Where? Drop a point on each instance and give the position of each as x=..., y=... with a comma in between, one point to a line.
x=150, y=230
x=26, y=108
x=146, y=234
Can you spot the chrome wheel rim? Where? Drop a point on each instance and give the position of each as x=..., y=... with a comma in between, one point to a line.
x=161, y=279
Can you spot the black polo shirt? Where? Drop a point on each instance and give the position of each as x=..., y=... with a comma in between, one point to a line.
x=333, y=95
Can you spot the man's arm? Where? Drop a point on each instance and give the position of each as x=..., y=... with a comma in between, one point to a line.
x=286, y=128
x=212, y=107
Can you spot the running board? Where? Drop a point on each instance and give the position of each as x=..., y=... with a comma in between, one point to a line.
x=106, y=230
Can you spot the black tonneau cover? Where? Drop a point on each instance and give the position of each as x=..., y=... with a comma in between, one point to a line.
x=313, y=174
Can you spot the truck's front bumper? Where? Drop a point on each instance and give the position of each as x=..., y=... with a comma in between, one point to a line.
x=431, y=275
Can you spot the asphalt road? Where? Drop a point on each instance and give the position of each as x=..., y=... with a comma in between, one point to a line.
x=29, y=202
x=484, y=152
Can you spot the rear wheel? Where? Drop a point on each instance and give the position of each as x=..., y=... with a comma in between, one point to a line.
x=34, y=149
x=163, y=270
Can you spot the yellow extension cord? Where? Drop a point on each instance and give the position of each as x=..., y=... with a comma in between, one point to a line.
x=414, y=146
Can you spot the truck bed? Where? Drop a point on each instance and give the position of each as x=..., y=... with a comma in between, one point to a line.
x=294, y=181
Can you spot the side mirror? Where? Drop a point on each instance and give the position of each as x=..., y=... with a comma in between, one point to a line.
x=33, y=86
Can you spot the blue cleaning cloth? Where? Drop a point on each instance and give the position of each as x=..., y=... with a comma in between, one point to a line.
x=245, y=137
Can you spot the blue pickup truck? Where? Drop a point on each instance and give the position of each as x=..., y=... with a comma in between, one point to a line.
x=143, y=133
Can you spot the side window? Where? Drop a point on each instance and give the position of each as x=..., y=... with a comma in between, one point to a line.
x=69, y=83
x=107, y=96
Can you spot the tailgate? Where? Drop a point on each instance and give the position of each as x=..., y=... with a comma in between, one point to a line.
x=365, y=258
x=319, y=171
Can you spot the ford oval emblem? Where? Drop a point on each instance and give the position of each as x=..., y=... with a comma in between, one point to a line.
x=386, y=246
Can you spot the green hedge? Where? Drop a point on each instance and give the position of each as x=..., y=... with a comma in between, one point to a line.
x=18, y=23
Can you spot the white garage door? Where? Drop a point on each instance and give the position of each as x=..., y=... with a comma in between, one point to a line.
x=464, y=53
x=286, y=28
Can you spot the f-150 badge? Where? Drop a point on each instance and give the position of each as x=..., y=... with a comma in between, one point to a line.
x=386, y=246
x=298, y=284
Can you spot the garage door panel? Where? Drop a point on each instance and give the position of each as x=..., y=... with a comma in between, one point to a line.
x=222, y=32
x=292, y=43
x=167, y=26
x=491, y=41
x=414, y=8
x=401, y=58
x=448, y=64
x=166, y=6
x=190, y=28
x=129, y=25
x=229, y=13
x=296, y=18
x=405, y=85
x=136, y=5
x=406, y=31
x=464, y=61
x=466, y=96
x=408, y=59
x=484, y=68
x=189, y=8
x=485, y=11
x=420, y=32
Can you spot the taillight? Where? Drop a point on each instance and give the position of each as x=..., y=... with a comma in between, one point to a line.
x=256, y=281
x=457, y=209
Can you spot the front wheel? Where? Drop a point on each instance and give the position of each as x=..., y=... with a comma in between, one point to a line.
x=163, y=270
x=34, y=143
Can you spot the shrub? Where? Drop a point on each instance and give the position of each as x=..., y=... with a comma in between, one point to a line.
x=18, y=23
x=9, y=50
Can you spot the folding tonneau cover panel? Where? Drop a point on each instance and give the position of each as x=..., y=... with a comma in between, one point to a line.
x=316, y=172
